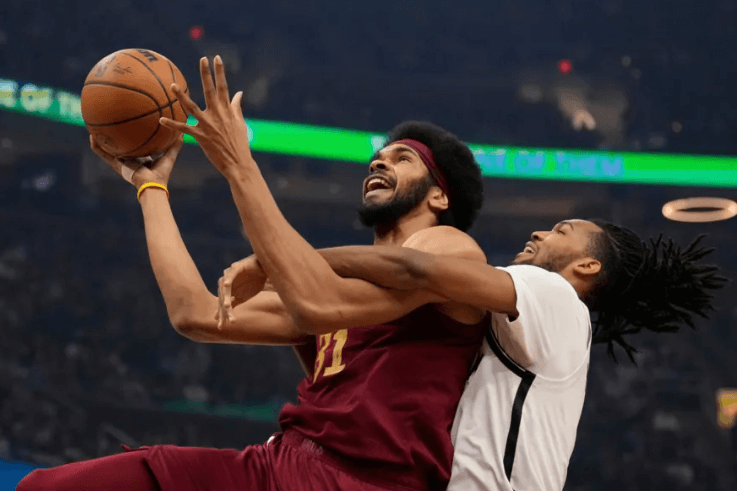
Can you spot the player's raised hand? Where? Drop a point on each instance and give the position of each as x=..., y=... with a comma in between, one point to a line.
x=240, y=282
x=137, y=171
x=221, y=130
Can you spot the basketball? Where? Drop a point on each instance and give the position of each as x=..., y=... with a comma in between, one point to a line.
x=123, y=98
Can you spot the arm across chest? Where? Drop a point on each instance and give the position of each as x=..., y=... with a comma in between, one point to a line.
x=450, y=242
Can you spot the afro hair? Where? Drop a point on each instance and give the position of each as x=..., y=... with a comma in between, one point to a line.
x=458, y=165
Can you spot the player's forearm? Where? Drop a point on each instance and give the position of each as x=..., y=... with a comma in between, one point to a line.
x=176, y=273
x=262, y=320
x=393, y=267
x=300, y=275
x=454, y=278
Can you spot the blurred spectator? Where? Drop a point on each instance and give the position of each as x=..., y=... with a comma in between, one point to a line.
x=86, y=341
x=88, y=359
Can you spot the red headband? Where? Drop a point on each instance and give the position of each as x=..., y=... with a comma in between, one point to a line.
x=428, y=159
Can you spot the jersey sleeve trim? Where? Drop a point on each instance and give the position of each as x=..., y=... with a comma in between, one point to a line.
x=512, y=365
x=527, y=379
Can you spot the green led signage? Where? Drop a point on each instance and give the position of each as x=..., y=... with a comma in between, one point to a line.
x=356, y=146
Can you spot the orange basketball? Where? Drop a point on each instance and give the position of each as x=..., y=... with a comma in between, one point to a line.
x=124, y=96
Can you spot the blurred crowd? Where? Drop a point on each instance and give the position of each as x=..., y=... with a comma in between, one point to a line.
x=656, y=75
x=83, y=324
x=89, y=360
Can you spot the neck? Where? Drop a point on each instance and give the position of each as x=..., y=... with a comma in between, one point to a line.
x=579, y=284
x=397, y=233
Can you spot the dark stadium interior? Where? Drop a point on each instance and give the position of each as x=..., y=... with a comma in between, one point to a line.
x=88, y=358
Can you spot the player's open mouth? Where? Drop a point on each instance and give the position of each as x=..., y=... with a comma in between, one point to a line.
x=529, y=248
x=377, y=185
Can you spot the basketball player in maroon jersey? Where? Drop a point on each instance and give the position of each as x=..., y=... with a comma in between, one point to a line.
x=390, y=365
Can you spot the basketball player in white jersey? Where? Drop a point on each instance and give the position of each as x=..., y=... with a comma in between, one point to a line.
x=517, y=420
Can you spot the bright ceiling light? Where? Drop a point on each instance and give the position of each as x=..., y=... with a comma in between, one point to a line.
x=683, y=210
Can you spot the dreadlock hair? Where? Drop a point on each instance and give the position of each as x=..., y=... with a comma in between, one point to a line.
x=652, y=285
x=457, y=164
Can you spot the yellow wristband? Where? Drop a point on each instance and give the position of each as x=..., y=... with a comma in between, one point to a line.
x=151, y=184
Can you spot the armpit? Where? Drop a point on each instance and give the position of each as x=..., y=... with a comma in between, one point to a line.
x=512, y=341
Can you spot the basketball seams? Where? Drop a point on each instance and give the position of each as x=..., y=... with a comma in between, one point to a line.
x=171, y=70
x=174, y=79
x=159, y=127
x=128, y=117
x=166, y=94
x=161, y=84
x=122, y=86
x=159, y=108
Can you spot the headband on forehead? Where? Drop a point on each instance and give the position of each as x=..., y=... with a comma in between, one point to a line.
x=428, y=159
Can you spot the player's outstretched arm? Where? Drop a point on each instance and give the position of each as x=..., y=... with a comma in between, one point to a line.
x=176, y=273
x=315, y=296
x=353, y=299
x=455, y=279
x=261, y=320
x=190, y=306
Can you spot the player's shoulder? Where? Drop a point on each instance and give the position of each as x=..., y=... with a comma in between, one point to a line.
x=548, y=287
x=538, y=276
x=446, y=240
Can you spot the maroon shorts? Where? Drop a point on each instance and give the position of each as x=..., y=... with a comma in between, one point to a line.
x=287, y=462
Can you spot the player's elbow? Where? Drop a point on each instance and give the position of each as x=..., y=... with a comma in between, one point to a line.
x=186, y=327
x=190, y=327
x=192, y=316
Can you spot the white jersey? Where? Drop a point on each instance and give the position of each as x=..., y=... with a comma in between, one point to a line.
x=517, y=420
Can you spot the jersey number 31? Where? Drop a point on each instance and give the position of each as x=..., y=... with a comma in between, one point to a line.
x=336, y=366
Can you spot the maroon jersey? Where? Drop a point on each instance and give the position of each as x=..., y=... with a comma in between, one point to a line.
x=383, y=397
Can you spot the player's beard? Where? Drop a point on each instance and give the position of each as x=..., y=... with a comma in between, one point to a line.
x=556, y=264
x=374, y=215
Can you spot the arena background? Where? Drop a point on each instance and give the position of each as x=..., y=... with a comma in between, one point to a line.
x=88, y=359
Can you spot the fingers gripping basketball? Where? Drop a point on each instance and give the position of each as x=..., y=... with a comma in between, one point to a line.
x=123, y=98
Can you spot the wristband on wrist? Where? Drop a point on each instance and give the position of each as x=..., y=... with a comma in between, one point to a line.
x=151, y=184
